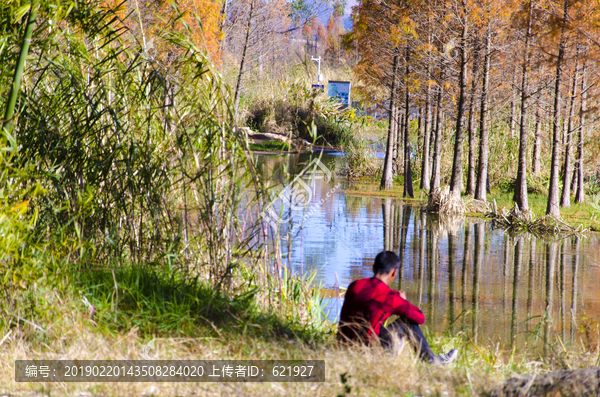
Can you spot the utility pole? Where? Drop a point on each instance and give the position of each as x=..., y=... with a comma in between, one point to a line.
x=318, y=61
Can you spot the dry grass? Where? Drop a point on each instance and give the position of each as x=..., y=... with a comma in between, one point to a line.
x=371, y=372
x=477, y=206
x=350, y=371
x=528, y=221
x=444, y=201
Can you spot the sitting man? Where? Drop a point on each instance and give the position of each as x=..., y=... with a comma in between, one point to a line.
x=370, y=301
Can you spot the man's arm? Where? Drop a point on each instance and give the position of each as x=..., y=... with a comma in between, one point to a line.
x=403, y=308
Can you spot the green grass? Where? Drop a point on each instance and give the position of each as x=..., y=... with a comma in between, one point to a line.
x=270, y=146
x=575, y=215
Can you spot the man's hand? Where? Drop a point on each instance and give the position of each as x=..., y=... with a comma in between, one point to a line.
x=403, y=295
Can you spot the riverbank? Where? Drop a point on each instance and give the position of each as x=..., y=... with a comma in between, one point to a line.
x=577, y=215
x=69, y=333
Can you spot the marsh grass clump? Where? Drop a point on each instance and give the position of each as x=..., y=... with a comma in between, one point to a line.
x=360, y=160
x=446, y=202
x=518, y=220
x=435, y=198
x=172, y=303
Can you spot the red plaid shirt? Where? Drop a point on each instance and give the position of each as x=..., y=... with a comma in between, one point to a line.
x=368, y=303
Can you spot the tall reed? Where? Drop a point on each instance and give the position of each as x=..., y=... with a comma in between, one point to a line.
x=136, y=162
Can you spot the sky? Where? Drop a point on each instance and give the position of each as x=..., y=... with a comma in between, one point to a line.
x=347, y=19
x=349, y=5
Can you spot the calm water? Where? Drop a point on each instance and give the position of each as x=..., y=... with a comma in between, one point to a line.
x=464, y=274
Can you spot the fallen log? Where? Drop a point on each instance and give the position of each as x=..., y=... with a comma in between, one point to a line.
x=258, y=137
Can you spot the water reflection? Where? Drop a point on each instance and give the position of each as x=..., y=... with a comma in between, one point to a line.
x=479, y=253
x=515, y=298
x=465, y=275
x=574, y=285
x=551, y=265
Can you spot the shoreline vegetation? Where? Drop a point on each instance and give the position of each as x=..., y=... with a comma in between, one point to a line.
x=129, y=201
x=577, y=218
x=69, y=331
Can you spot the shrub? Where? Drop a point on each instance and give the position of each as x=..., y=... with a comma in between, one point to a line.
x=360, y=160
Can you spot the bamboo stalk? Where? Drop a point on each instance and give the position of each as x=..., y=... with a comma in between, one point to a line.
x=16, y=85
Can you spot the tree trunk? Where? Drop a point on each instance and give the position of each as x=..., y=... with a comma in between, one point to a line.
x=425, y=172
x=575, y=172
x=537, y=142
x=399, y=142
x=553, y=208
x=387, y=179
x=397, y=135
x=432, y=134
x=566, y=192
x=420, y=125
x=439, y=134
x=408, y=183
x=579, y=192
x=513, y=105
x=456, y=180
x=238, y=85
x=471, y=170
x=481, y=188
x=520, y=194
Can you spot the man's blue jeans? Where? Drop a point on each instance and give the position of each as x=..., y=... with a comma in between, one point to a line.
x=412, y=332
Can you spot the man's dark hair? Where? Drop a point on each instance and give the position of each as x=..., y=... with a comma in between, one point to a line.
x=385, y=262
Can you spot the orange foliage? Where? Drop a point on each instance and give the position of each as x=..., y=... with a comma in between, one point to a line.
x=315, y=30
x=207, y=33
x=334, y=32
x=202, y=16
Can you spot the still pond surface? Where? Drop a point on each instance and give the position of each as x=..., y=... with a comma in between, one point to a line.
x=466, y=275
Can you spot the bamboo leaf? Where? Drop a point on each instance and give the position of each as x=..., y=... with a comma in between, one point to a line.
x=21, y=11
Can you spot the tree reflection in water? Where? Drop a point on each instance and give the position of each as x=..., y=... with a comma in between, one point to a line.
x=469, y=277
x=464, y=274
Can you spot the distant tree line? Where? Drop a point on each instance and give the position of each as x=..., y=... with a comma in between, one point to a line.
x=471, y=63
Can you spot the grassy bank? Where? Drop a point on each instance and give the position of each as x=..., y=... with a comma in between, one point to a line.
x=202, y=325
x=577, y=215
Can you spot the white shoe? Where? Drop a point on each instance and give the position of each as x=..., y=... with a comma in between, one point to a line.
x=397, y=346
x=447, y=358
